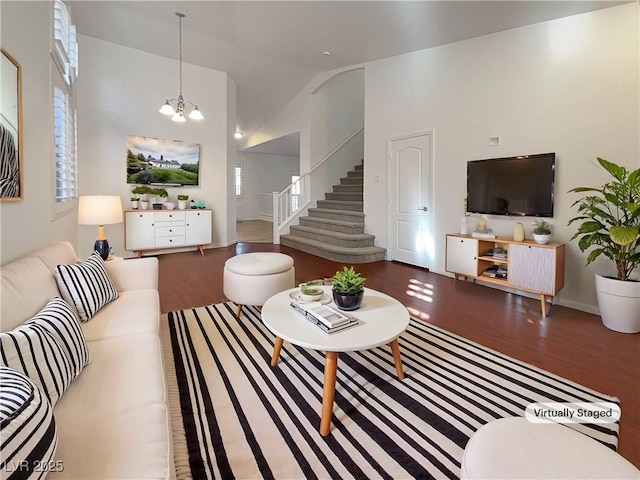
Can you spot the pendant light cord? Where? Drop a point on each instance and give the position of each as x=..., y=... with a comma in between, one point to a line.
x=180, y=16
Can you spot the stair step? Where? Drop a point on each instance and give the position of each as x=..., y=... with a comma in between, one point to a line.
x=359, y=167
x=355, y=174
x=344, y=196
x=354, y=187
x=340, y=205
x=340, y=215
x=335, y=238
x=352, y=181
x=333, y=225
x=333, y=252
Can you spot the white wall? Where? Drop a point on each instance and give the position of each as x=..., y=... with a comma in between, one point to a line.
x=294, y=117
x=263, y=173
x=120, y=92
x=28, y=224
x=336, y=111
x=569, y=86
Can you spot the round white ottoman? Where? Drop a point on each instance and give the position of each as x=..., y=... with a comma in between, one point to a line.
x=252, y=278
x=515, y=448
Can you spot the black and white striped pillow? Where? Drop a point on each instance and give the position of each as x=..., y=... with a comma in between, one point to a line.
x=50, y=349
x=86, y=286
x=59, y=319
x=28, y=434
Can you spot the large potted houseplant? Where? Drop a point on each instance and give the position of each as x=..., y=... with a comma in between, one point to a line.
x=610, y=226
x=348, y=289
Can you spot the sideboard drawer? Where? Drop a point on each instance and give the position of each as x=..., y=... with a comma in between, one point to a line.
x=168, y=216
x=174, y=241
x=171, y=231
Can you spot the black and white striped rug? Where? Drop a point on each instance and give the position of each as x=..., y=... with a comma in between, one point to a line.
x=245, y=419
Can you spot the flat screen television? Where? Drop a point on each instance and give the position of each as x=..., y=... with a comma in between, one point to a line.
x=519, y=186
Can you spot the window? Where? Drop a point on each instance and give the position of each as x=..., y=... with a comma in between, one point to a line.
x=65, y=46
x=65, y=146
x=64, y=70
x=238, y=179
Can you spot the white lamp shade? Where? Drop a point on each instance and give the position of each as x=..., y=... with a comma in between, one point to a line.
x=99, y=209
x=196, y=114
x=167, y=109
x=178, y=118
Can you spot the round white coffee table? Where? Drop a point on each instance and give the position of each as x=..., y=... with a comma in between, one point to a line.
x=382, y=319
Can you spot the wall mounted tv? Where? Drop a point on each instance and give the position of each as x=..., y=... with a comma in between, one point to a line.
x=519, y=186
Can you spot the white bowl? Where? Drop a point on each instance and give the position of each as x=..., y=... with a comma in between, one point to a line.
x=170, y=205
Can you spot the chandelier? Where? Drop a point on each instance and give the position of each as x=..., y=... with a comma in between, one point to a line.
x=176, y=106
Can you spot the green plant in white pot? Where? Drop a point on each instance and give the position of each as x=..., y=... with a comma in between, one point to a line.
x=610, y=226
x=541, y=231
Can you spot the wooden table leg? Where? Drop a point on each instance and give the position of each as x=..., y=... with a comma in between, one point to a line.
x=395, y=349
x=276, y=351
x=329, y=391
x=543, y=305
x=239, y=311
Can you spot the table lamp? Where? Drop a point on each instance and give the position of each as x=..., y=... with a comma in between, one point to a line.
x=100, y=210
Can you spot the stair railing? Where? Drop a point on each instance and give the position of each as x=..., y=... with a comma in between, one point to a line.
x=294, y=200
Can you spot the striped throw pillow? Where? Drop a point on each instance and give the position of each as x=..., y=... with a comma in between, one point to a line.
x=61, y=321
x=86, y=286
x=28, y=434
x=50, y=349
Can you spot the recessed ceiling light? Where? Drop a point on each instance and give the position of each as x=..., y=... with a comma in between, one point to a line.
x=326, y=53
x=238, y=135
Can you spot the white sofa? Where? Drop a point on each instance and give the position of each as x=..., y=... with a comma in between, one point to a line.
x=113, y=420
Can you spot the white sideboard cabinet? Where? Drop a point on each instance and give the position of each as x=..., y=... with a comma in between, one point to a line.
x=527, y=266
x=161, y=229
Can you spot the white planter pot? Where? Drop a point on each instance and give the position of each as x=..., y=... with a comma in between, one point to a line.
x=542, y=239
x=619, y=304
x=182, y=204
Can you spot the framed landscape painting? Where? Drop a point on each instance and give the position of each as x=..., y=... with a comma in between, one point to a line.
x=155, y=161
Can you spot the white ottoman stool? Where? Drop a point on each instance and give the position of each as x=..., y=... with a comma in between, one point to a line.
x=515, y=448
x=252, y=278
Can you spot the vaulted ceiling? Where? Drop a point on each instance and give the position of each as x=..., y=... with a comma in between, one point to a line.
x=273, y=48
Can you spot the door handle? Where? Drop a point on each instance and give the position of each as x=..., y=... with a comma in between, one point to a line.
x=424, y=209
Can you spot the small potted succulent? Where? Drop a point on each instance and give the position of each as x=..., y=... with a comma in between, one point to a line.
x=182, y=201
x=541, y=231
x=134, y=202
x=348, y=288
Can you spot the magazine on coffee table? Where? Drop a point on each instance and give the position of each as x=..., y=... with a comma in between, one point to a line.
x=328, y=319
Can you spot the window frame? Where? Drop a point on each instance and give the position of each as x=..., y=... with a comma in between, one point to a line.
x=63, y=68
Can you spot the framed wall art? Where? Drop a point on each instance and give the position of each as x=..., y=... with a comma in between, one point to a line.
x=155, y=161
x=11, y=158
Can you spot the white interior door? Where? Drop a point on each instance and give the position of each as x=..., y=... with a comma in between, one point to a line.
x=410, y=199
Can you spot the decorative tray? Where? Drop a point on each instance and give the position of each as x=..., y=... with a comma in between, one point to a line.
x=298, y=298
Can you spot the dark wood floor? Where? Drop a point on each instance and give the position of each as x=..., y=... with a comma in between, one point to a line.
x=569, y=343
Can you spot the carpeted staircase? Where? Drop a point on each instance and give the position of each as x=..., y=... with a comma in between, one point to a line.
x=335, y=229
